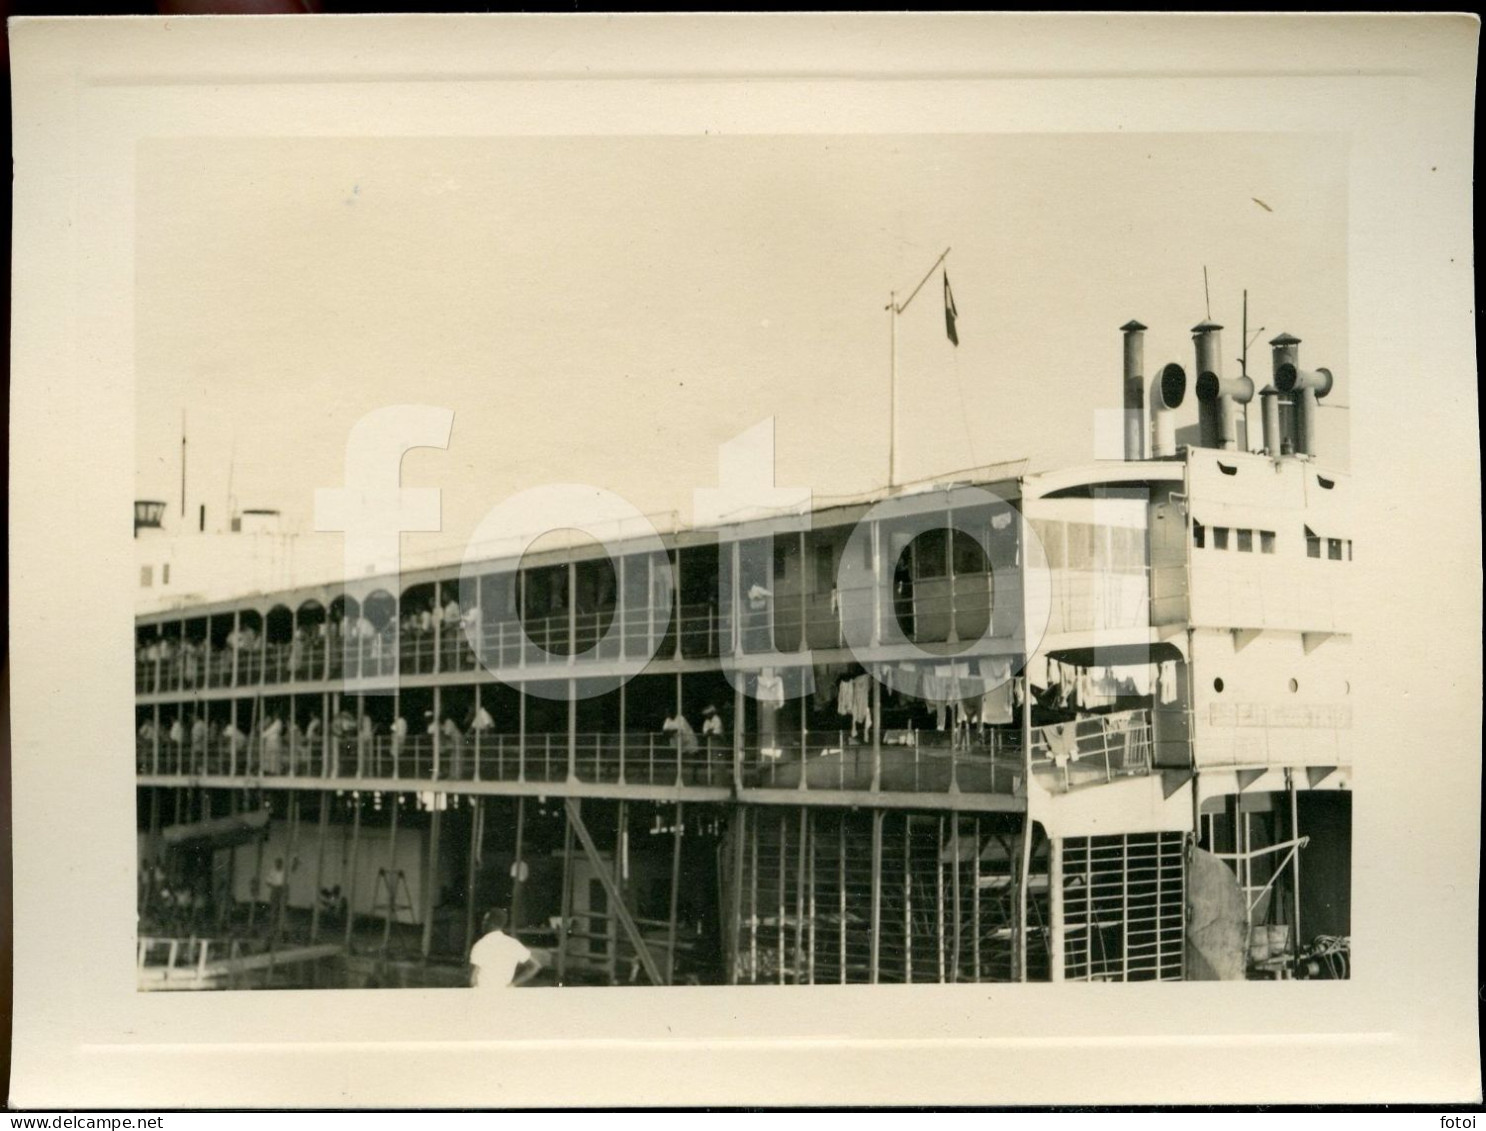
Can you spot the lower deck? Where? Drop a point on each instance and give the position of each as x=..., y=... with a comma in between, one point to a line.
x=724, y=891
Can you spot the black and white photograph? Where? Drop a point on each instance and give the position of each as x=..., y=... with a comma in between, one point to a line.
x=650, y=564
x=941, y=621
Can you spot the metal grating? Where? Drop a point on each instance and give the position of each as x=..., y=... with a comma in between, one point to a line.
x=1123, y=907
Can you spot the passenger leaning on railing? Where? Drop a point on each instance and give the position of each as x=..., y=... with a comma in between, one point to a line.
x=199, y=738
x=273, y=744
x=686, y=738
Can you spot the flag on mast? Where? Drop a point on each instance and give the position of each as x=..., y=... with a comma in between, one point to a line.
x=950, y=313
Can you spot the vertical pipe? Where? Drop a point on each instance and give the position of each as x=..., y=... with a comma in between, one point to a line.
x=1055, y=908
x=350, y=871
x=955, y=856
x=621, y=875
x=565, y=903
x=801, y=849
x=735, y=892
x=1295, y=857
x=471, y=875
x=1124, y=908
x=753, y=903
x=518, y=881
x=1021, y=897
x=291, y=863
x=623, y=722
x=1134, y=401
x=521, y=728
x=876, y=732
x=907, y=901
x=258, y=872
x=810, y=910
x=783, y=872
x=939, y=896
x=680, y=820
x=393, y=873
x=876, y=941
x=975, y=905
x=431, y=873
x=841, y=897
x=321, y=836
x=738, y=709
x=572, y=730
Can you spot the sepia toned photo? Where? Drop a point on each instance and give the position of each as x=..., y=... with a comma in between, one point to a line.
x=744, y=560
x=939, y=621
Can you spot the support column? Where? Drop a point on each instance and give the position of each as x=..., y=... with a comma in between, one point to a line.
x=472, y=873
x=321, y=834
x=431, y=873
x=1295, y=858
x=565, y=903
x=519, y=879
x=876, y=941
x=680, y=822
x=350, y=871
x=1021, y=898
x=392, y=874
x=1055, y=906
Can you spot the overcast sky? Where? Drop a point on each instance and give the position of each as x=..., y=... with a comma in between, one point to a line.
x=610, y=310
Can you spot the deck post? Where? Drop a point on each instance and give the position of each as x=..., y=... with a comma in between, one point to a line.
x=1023, y=877
x=323, y=825
x=472, y=872
x=431, y=874
x=392, y=874
x=1295, y=857
x=739, y=825
x=876, y=941
x=572, y=730
x=350, y=893
x=680, y=820
x=1055, y=907
x=565, y=904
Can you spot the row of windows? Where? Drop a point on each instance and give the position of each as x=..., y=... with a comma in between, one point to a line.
x=1242, y=540
x=1226, y=538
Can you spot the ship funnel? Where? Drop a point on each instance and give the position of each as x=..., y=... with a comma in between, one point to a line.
x=1134, y=389
x=1168, y=390
x=1269, y=402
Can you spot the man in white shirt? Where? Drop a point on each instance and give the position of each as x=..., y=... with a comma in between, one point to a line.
x=499, y=961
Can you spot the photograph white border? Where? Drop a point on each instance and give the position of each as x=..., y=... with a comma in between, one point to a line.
x=86, y=92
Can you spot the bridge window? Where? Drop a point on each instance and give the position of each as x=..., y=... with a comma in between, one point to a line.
x=1266, y=541
x=1199, y=535
x=1220, y=537
x=146, y=576
x=1245, y=541
x=1334, y=549
x=1312, y=544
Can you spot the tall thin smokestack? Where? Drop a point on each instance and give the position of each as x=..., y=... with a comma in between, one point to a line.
x=1269, y=403
x=1134, y=389
x=1208, y=345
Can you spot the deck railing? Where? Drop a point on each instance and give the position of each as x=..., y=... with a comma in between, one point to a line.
x=1092, y=750
x=959, y=608
x=925, y=762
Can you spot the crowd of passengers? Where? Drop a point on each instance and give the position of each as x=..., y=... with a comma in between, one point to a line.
x=279, y=743
x=245, y=647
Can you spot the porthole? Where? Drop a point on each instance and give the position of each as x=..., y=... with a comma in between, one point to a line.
x=1218, y=685
x=1294, y=686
